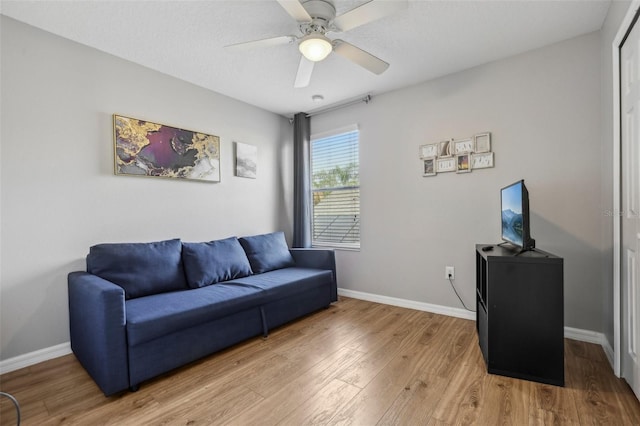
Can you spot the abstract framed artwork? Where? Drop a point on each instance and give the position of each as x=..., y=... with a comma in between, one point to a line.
x=143, y=148
x=246, y=160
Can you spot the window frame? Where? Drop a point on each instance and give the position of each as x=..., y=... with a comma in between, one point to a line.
x=323, y=135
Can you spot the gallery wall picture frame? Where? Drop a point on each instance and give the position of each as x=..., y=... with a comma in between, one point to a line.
x=429, y=166
x=463, y=145
x=457, y=155
x=482, y=160
x=463, y=163
x=246, y=160
x=444, y=148
x=446, y=164
x=144, y=148
x=482, y=142
x=428, y=150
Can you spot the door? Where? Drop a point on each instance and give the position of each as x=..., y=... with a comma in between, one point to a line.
x=630, y=214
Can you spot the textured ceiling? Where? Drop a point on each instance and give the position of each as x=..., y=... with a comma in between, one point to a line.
x=429, y=39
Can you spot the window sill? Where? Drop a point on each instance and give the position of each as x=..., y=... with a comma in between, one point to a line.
x=336, y=247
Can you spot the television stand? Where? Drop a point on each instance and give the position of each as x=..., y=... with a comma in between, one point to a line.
x=520, y=313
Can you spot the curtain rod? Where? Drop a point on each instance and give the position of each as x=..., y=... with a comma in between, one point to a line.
x=366, y=100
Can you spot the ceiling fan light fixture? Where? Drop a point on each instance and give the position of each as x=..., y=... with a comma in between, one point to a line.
x=315, y=47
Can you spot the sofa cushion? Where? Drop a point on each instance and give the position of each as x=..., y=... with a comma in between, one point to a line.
x=140, y=269
x=267, y=252
x=286, y=282
x=214, y=261
x=158, y=315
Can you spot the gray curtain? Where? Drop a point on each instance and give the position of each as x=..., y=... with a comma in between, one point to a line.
x=301, y=180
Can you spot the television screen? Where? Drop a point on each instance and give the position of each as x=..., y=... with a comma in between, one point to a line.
x=512, y=214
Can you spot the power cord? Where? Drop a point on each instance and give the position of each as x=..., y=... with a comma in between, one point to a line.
x=459, y=298
x=15, y=402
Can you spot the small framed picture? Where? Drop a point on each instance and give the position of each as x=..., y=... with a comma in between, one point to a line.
x=463, y=164
x=483, y=142
x=429, y=166
x=462, y=146
x=246, y=160
x=444, y=149
x=447, y=164
x=429, y=150
x=482, y=160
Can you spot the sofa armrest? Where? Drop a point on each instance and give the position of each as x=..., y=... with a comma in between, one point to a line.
x=319, y=259
x=97, y=325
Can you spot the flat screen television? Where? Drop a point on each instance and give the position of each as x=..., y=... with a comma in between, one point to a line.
x=515, y=216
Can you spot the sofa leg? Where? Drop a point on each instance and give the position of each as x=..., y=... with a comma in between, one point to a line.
x=134, y=388
x=265, y=329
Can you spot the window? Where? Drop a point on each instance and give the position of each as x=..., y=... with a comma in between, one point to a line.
x=335, y=187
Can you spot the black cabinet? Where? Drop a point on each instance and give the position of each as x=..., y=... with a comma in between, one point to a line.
x=520, y=313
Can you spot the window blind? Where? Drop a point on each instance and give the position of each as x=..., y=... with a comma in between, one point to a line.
x=335, y=187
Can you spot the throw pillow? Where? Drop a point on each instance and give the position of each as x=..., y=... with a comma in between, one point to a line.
x=267, y=252
x=140, y=269
x=214, y=261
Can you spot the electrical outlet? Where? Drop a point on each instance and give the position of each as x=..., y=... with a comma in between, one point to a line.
x=449, y=272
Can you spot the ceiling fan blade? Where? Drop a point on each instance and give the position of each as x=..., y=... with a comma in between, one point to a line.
x=265, y=42
x=360, y=57
x=295, y=9
x=303, y=76
x=368, y=12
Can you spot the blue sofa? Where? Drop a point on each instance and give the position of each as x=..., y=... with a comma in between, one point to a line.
x=142, y=309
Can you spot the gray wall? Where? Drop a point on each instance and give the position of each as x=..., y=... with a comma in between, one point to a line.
x=543, y=109
x=547, y=110
x=59, y=193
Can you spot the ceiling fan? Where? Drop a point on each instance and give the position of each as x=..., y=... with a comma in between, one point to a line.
x=317, y=18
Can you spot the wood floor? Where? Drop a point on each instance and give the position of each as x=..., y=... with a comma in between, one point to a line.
x=356, y=363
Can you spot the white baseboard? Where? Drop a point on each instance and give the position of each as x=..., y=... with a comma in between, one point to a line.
x=411, y=304
x=62, y=349
x=569, y=332
x=608, y=351
x=584, y=335
x=34, y=357
x=591, y=337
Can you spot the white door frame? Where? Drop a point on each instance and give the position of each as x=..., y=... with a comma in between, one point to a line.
x=620, y=35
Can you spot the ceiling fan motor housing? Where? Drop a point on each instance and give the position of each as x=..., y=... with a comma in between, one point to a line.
x=322, y=12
